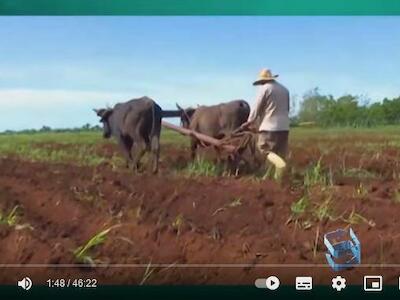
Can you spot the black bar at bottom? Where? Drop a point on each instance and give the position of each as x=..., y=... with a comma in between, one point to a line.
x=194, y=292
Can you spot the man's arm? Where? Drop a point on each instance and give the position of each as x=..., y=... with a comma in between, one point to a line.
x=257, y=106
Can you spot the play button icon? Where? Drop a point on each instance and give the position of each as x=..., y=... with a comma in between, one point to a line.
x=272, y=283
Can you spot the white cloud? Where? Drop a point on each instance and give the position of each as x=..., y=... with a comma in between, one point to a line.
x=26, y=108
x=33, y=98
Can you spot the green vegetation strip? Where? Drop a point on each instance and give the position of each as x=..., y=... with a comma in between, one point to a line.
x=80, y=148
x=84, y=147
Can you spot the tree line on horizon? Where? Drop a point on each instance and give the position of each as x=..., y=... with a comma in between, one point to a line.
x=44, y=129
x=346, y=111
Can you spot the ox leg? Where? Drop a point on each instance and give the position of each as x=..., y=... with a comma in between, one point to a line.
x=193, y=147
x=140, y=150
x=155, y=150
x=218, y=153
x=125, y=144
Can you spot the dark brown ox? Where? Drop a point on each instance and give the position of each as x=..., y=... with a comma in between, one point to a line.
x=136, y=125
x=217, y=121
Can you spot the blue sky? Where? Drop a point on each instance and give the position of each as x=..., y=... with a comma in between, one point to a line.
x=54, y=70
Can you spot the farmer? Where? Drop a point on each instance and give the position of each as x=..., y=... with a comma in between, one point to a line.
x=270, y=113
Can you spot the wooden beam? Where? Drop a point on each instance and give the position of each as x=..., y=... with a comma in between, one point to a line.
x=171, y=113
x=202, y=137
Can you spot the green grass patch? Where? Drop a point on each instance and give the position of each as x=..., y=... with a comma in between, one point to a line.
x=391, y=131
x=316, y=175
x=178, y=223
x=305, y=212
x=76, y=147
x=203, y=167
x=299, y=207
x=82, y=253
x=358, y=173
x=355, y=218
x=10, y=218
x=299, y=213
x=88, y=138
x=323, y=210
x=396, y=196
x=171, y=137
x=81, y=155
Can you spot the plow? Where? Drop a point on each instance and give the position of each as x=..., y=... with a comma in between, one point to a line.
x=234, y=144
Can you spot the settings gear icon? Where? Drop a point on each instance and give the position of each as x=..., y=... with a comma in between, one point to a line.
x=338, y=283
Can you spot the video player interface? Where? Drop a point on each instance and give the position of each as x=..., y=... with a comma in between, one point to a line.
x=200, y=150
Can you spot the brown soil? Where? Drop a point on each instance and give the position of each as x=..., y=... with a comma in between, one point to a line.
x=172, y=219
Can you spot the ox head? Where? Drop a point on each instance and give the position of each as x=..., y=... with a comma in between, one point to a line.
x=186, y=115
x=104, y=114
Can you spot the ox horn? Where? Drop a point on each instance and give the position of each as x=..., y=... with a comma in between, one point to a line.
x=178, y=106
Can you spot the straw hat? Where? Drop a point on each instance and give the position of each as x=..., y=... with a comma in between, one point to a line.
x=265, y=75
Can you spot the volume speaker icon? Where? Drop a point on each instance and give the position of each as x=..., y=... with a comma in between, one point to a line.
x=25, y=283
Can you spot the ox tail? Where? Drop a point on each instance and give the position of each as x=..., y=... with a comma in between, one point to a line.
x=153, y=123
x=246, y=110
x=157, y=114
x=155, y=134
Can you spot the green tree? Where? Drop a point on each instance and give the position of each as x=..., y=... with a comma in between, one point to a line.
x=312, y=105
